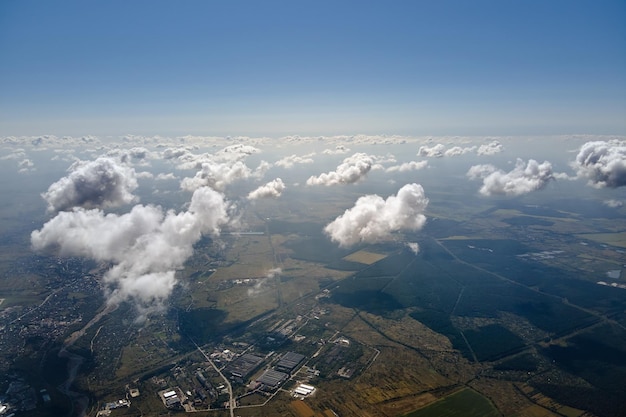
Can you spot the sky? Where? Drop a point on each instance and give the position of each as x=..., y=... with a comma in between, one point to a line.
x=278, y=68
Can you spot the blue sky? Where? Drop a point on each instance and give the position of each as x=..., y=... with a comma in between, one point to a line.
x=302, y=67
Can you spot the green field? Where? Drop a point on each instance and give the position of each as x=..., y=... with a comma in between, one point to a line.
x=464, y=403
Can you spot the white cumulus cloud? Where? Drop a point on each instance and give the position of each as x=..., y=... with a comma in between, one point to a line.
x=100, y=183
x=146, y=246
x=522, y=179
x=351, y=170
x=408, y=166
x=436, y=151
x=457, y=150
x=490, y=148
x=603, y=163
x=272, y=189
x=339, y=150
x=216, y=175
x=290, y=161
x=414, y=247
x=372, y=218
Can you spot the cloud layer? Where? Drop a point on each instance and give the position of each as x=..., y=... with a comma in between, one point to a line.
x=373, y=219
x=522, y=179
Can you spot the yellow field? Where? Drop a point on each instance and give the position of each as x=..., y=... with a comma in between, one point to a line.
x=570, y=412
x=364, y=257
x=614, y=239
x=536, y=411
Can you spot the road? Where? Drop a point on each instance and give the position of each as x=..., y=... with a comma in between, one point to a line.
x=232, y=402
x=36, y=308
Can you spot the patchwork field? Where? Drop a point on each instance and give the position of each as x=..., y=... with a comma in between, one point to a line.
x=364, y=257
x=463, y=403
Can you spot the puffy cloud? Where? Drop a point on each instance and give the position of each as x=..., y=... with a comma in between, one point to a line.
x=99, y=183
x=126, y=156
x=271, y=189
x=613, y=203
x=522, y=179
x=436, y=151
x=290, y=161
x=408, y=166
x=262, y=169
x=25, y=165
x=602, y=163
x=439, y=150
x=165, y=177
x=339, y=150
x=480, y=171
x=457, y=150
x=15, y=154
x=351, y=170
x=186, y=159
x=175, y=153
x=414, y=247
x=146, y=246
x=490, y=148
x=373, y=219
x=236, y=152
x=144, y=175
x=216, y=175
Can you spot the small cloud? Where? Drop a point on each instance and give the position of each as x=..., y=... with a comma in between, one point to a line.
x=339, y=150
x=408, y=166
x=457, y=150
x=289, y=161
x=523, y=179
x=613, y=203
x=262, y=169
x=491, y=148
x=260, y=284
x=25, y=165
x=436, y=151
x=216, y=175
x=351, y=170
x=16, y=154
x=272, y=189
x=414, y=246
x=373, y=219
x=144, y=175
x=166, y=177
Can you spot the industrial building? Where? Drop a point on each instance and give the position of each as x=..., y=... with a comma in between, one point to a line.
x=289, y=362
x=272, y=379
x=171, y=398
x=304, y=390
x=244, y=365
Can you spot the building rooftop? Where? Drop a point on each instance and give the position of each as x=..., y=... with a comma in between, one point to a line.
x=289, y=361
x=272, y=378
x=244, y=365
